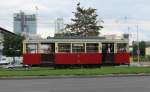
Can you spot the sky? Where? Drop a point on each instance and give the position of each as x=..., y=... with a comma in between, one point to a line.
x=119, y=16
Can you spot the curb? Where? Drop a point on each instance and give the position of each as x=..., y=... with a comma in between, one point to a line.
x=72, y=77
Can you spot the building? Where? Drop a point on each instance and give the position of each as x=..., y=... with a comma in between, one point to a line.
x=25, y=24
x=59, y=25
x=147, y=49
x=2, y=33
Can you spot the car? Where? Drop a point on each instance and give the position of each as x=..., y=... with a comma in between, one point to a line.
x=3, y=61
x=14, y=66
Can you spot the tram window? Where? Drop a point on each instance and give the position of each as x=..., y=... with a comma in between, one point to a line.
x=121, y=47
x=31, y=48
x=78, y=47
x=92, y=47
x=64, y=47
x=46, y=48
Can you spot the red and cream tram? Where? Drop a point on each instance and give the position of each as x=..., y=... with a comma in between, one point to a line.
x=76, y=51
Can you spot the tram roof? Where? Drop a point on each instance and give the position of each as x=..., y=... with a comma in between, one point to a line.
x=76, y=39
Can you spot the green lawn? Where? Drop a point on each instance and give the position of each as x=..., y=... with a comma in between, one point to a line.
x=74, y=72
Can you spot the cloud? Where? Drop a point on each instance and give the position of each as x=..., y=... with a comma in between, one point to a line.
x=46, y=30
x=8, y=3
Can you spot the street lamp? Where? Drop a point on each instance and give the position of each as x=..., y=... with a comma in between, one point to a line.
x=138, y=50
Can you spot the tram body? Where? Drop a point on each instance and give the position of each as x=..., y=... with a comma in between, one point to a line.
x=76, y=51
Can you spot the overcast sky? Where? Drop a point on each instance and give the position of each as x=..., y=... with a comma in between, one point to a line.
x=118, y=15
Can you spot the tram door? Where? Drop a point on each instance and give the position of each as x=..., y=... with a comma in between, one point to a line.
x=108, y=53
x=47, y=53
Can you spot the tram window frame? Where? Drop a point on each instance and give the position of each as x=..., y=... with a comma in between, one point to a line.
x=67, y=48
x=92, y=49
x=121, y=47
x=32, y=50
x=78, y=47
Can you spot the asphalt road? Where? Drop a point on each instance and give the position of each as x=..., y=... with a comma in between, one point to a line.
x=109, y=84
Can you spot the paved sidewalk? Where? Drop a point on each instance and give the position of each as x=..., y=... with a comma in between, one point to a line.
x=141, y=64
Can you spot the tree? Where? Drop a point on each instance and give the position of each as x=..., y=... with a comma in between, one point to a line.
x=84, y=23
x=142, y=47
x=12, y=45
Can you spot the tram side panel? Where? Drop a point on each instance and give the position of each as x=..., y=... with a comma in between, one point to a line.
x=122, y=58
x=65, y=58
x=32, y=59
x=90, y=58
x=78, y=58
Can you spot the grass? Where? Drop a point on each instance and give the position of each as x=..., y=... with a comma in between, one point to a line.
x=72, y=72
